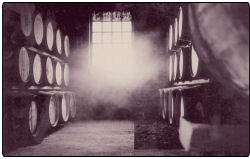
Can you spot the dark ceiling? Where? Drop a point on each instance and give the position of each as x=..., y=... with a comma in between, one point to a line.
x=73, y=18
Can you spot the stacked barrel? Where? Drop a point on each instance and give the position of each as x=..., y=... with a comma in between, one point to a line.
x=188, y=86
x=36, y=53
x=195, y=101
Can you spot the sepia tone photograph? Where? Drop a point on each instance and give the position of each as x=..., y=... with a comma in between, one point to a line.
x=125, y=79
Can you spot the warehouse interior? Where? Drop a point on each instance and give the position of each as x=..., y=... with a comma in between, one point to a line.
x=125, y=79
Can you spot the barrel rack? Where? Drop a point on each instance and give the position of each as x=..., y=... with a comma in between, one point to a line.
x=32, y=108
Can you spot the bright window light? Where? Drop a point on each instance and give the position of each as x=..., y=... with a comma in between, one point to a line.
x=126, y=26
x=126, y=37
x=111, y=47
x=117, y=37
x=96, y=26
x=107, y=37
x=117, y=26
x=106, y=26
x=97, y=37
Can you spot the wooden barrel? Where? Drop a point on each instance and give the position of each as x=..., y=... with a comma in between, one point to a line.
x=175, y=30
x=66, y=74
x=59, y=42
x=164, y=108
x=50, y=28
x=33, y=115
x=170, y=107
x=49, y=74
x=194, y=63
x=17, y=24
x=220, y=33
x=23, y=68
x=66, y=45
x=167, y=42
x=28, y=119
x=161, y=105
x=24, y=65
x=195, y=104
x=50, y=105
x=177, y=108
x=48, y=70
x=72, y=106
x=170, y=68
x=198, y=70
x=170, y=37
x=184, y=37
x=58, y=73
x=54, y=110
x=37, y=69
x=175, y=66
x=38, y=27
x=184, y=64
x=64, y=108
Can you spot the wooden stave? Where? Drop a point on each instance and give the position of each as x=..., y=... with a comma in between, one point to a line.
x=202, y=72
x=218, y=67
x=164, y=106
x=171, y=54
x=177, y=106
x=44, y=80
x=51, y=20
x=39, y=82
x=186, y=76
x=66, y=51
x=170, y=34
x=63, y=55
x=58, y=52
x=175, y=66
x=39, y=15
x=170, y=65
x=161, y=106
x=65, y=83
x=44, y=100
x=63, y=120
x=185, y=38
x=55, y=74
x=72, y=116
x=170, y=108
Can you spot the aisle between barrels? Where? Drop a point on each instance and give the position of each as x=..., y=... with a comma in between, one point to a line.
x=85, y=138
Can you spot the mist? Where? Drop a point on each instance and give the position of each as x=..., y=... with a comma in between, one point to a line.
x=127, y=85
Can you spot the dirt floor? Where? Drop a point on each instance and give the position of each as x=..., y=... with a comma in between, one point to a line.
x=156, y=138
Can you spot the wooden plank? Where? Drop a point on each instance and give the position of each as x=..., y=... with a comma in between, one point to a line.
x=177, y=88
x=45, y=54
x=194, y=82
x=215, y=139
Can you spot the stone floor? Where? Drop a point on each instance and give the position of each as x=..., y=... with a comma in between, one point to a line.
x=92, y=138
